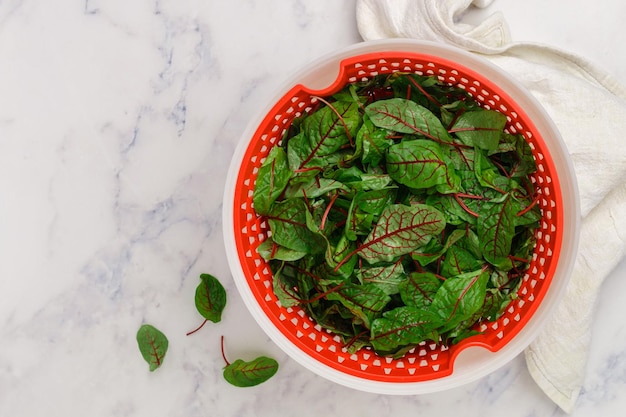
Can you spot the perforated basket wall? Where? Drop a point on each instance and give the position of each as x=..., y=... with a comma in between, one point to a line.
x=427, y=361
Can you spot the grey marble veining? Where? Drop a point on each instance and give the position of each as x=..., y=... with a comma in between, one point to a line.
x=118, y=120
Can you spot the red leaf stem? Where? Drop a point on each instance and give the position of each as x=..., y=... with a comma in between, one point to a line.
x=428, y=96
x=530, y=206
x=501, y=168
x=301, y=170
x=197, y=328
x=155, y=352
x=223, y=354
x=323, y=294
x=325, y=216
x=464, y=206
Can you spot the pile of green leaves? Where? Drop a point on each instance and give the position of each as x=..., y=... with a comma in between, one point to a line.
x=400, y=211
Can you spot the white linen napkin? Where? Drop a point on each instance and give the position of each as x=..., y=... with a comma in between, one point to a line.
x=587, y=105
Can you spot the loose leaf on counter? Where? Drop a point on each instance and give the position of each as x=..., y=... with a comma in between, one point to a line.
x=244, y=374
x=210, y=300
x=152, y=344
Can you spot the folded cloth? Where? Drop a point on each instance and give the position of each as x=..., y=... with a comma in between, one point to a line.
x=587, y=105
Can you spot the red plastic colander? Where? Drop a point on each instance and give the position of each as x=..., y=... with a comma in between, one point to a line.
x=428, y=367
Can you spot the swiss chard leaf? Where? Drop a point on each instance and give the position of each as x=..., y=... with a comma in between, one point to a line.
x=270, y=250
x=400, y=230
x=153, y=345
x=288, y=222
x=496, y=230
x=375, y=201
x=480, y=128
x=403, y=326
x=388, y=278
x=434, y=250
x=314, y=187
x=248, y=374
x=273, y=177
x=417, y=163
x=406, y=116
x=323, y=134
x=210, y=298
x=458, y=260
x=420, y=289
x=460, y=297
x=285, y=288
x=372, y=143
x=366, y=301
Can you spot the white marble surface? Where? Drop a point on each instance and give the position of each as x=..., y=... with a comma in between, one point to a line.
x=117, y=122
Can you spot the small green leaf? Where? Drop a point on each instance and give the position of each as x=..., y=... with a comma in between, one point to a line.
x=400, y=230
x=480, y=128
x=406, y=116
x=460, y=297
x=387, y=278
x=284, y=286
x=288, y=222
x=496, y=230
x=419, y=289
x=152, y=345
x=324, y=132
x=458, y=260
x=372, y=142
x=364, y=301
x=271, y=250
x=417, y=163
x=210, y=298
x=403, y=326
x=274, y=174
x=248, y=374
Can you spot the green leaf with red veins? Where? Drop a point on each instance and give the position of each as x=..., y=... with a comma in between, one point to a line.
x=325, y=131
x=285, y=288
x=417, y=164
x=210, y=298
x=406, y=116
x=314, y=187
x=457, y=260
x=248, y=374
x=372, y=142
x=270, y=250
x=288, y=222
x=419, y=289
x=273, y=177
x=460, y=297
x=375, y=201
x=403, y=326
x=480, y=128
x=496, y=230
x=152, y=345
x=387, y=278
x=364, y=301
x=400, y=230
